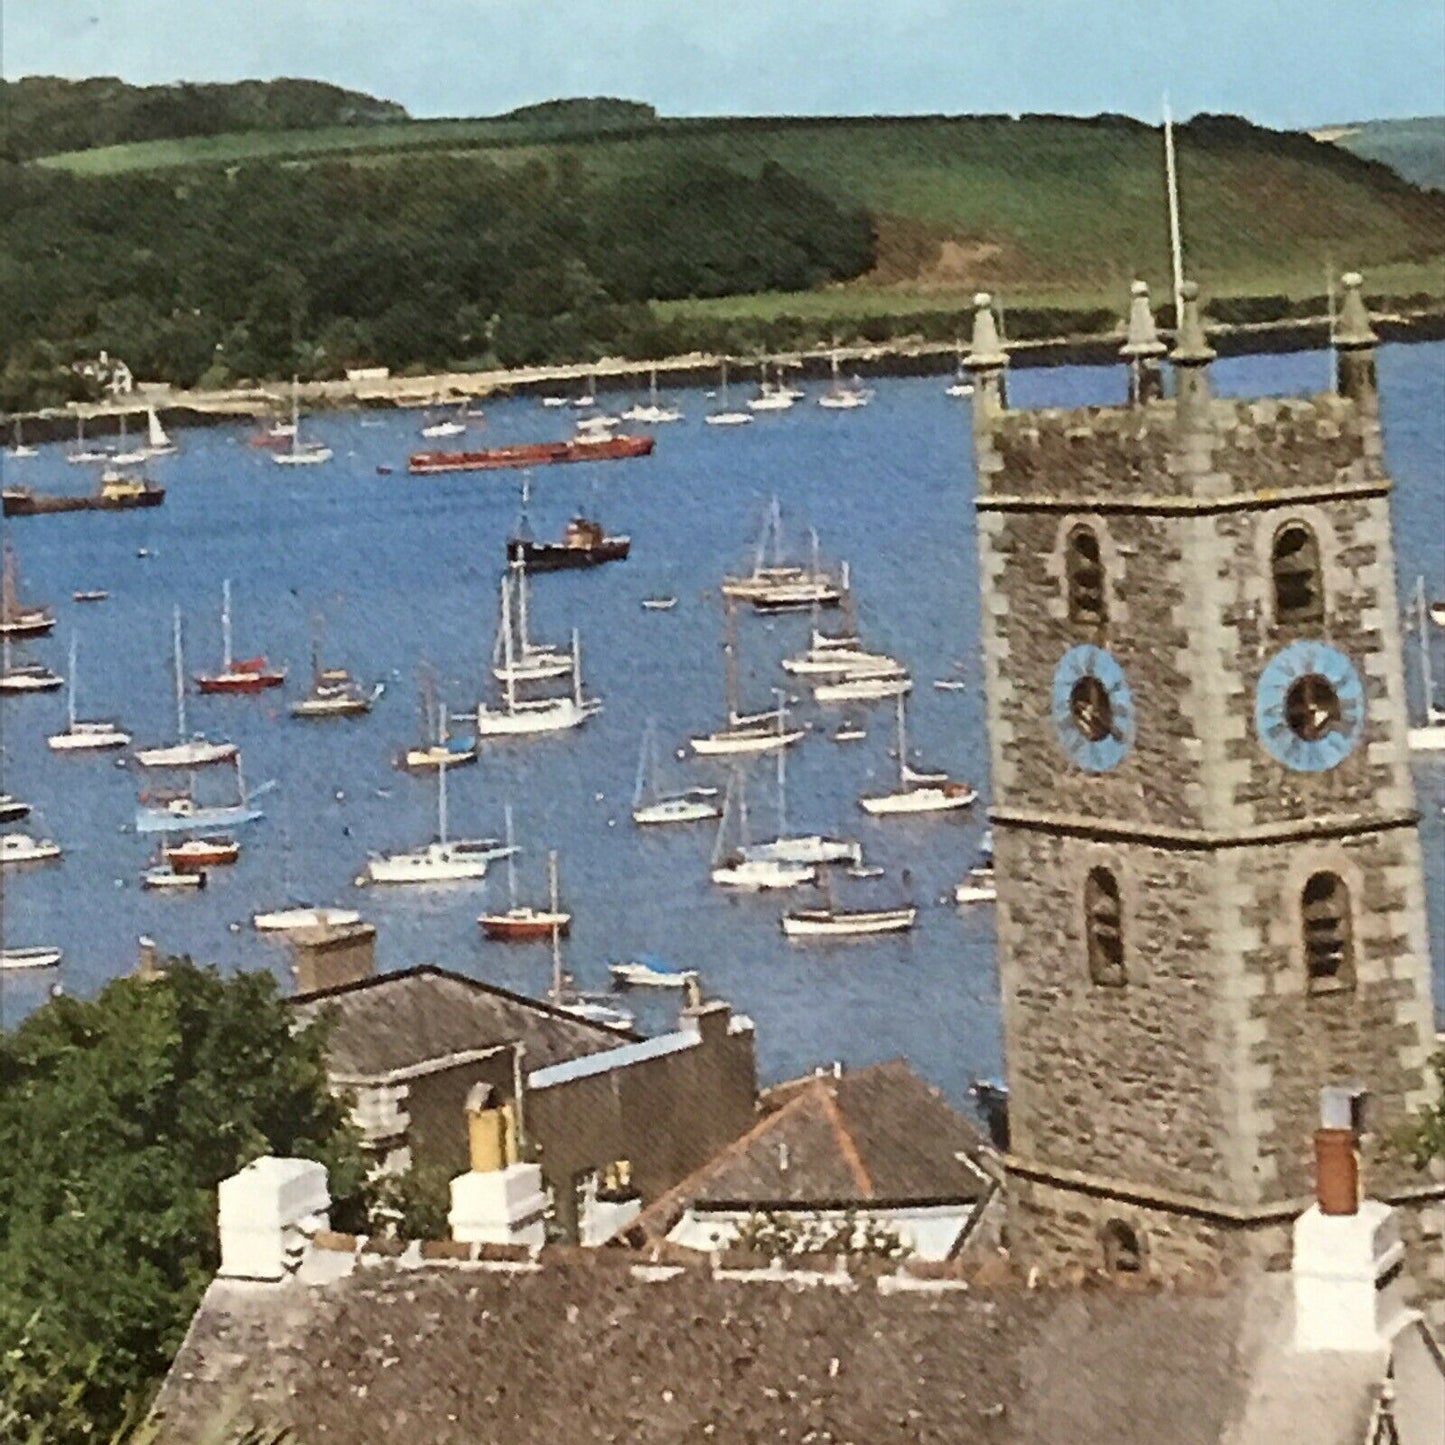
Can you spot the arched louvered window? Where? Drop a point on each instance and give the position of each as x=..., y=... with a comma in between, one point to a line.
x=1299, y=588
x=1104, y=928
x=1123, y=1249
x=1084, y=566
x=1329, y=945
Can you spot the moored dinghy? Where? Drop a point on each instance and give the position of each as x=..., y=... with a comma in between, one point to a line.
x=649, y=973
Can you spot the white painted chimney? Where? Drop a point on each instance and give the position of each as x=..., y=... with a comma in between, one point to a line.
x=498, y=1200
x=268, y=1213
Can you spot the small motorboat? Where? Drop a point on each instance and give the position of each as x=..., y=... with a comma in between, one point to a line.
x=649, y=973
x=384, y=470
x=286, y=920
x=950, y=684
x=847, y=922
x=659, y=604
x=12, y=809
x=1437, y=613
x=451, y=753
x=19, y=959
x=849, y=731
x=91, y=594
x=977, y=886
x=164, y=875
x=22, y=848
x=201, y=853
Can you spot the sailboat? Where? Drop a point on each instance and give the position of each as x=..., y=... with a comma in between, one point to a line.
x=589, y=394
x=158, y=444
x=525, y=660
x=869, y=683
x=520, y=716
x=653, y=411
x=831, y=654
x=1429, y=737
x=830, y=921
x=334, y=692
x=187, y=751
x=726, y=415
x=301, y=454
x=799, y=847
x=770, y=397
x=80, y=453
x=128, y=456
x=19, y=450
x=17, y=618
x=22, y=677
x=732, y=868
x=777, y=586
x=978, y=885
x=245, y=674
x=81, y=735
x=179, y=812
x=917, y=792
x=651, y=805
x=438, y=748
x=452, y=427
x=841, y=397
x=443, y=861
x=20, y=959
x=522, y=922
x=961, y=385
x=564, y=995
x=744, y=732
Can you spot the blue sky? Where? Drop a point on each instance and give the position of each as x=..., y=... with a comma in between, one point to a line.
x=1281, y=62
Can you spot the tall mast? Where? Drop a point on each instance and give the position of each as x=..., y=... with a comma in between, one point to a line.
x=295, y=414
x=902, y=744
x=508, y=660
x=70, y=687
x=226, y=624
x=180, y=674
x=782, y=785
x=724, y=387
x=1176, y=246
x=511, y=857
x=442, y=802
x=652, y=387
x=577, y=669
x=1422, y=621
x=556, y=963
x=644, y=757
x=554, y=892
x=524, y=641
x=730, y=655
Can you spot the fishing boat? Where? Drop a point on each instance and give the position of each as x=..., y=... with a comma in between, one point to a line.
x=524, y=922
x=81, y=735
x=866, y=684
x=116, y=493
x=188, y=750
x=80, y=453
x=300, y=454
x=917, y=792
x=585, y=543
x=196, y=853
x=446, y=860
x=178, y=811
x=650, y=973
x=18, y=450
x=438, y=747
x=158, y=444
x=593, y=1009
x=287, y=920
x=585, y=447
x=841, y=397
x=517, y=658
x=451, y=427
x=744, y=732
x=243, y=675
x=1429, y=736
x=334, y=692
x=654, y=411
x=807, y=848
x=770, y=397
x=22, y=848
x=12, y=809
x=20, y=619
x=726, y=415
x=651, y=805
x=25, y=677
x=830, y=922
x=732, y=868
x=167, y=876
x=18, y=960
x=777, y=586
x=518, y=716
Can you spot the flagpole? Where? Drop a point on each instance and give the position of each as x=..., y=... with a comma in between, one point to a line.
x=1176, y=249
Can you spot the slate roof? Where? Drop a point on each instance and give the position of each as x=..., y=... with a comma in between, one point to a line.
x=878, y=1135
x=590, y=1353
x=399, y=1020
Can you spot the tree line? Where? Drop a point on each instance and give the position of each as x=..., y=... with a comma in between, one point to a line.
x=215, y=276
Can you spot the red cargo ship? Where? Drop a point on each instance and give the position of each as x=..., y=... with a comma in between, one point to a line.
x=531, y=454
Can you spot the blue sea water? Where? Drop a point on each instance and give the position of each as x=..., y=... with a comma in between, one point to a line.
x=405, y=570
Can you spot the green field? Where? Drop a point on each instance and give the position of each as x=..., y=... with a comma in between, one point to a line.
x=1047, y=207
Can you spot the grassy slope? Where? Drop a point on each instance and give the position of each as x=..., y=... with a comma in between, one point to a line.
x=1415, y=148
x=1045, y=209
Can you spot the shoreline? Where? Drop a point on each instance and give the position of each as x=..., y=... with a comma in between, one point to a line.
x=180, y=408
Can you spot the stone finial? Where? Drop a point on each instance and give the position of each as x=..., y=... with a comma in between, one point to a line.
x=1143, y=338
x=1353, y=330
x=985, y=351
x=1191, y=347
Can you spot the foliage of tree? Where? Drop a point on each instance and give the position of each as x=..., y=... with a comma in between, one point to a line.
x=45, y=115
x=267, y=270
x=412, y=1205
x=1422, y=1140
x=118, y=1118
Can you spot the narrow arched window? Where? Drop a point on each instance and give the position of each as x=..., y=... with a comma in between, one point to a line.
x=1299, y=589
x=1104, y=928
x=1123, y=1249
x=1084, y=566
x=1329, y=945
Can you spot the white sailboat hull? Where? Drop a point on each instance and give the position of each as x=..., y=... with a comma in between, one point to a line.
x=538, y=668
x=16, y=959
x=807, y=849
x=758, y=875
x=774, y=401
x=832, y=661
x=545, y=715
x=675, y=810
x=177, y=819
x=1427, y=739
x=864, y=689
x=652, y=415
x=842, y=401
x=643, y=975
x=285, y=919
x=309, y=457
x=743, y=741
x=728, y=418
x=194, y=754
x=822, y=923
x=978, y=887
x=931, y=798
x=436, y=863
x=88, y=737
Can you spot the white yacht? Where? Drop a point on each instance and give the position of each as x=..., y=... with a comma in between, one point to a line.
x=732, y=868
x=918, y=792
x=22, y=848
x=81, y=735
x=726, y=415
x=185, y=752
x=1429, y=736
x=650, y=805
x=458, y=860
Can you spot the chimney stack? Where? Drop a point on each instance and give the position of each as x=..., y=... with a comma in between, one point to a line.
x=268, y=1214
x=498, y=1200
x=1337, y=1156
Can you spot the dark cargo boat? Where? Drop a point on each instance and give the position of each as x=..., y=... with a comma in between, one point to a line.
x=531, y=454
x=583, y=544
x=116, y=494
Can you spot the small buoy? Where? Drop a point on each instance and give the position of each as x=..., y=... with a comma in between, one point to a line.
x=597, y=797
x=681, y=753
x=359, y=881
x=120, y=882
x=340, y=795
x=612, y=822
x=234, y=927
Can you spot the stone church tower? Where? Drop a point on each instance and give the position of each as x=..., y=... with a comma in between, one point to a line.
x=1210, y=897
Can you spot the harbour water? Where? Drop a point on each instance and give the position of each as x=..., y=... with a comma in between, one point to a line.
x=405, y=570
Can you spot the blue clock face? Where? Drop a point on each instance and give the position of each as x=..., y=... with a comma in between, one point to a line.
x=1093, y=708
x=1309, y=707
